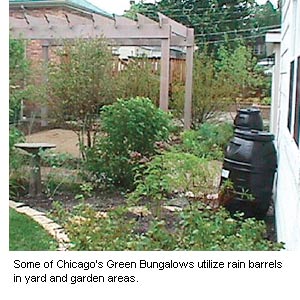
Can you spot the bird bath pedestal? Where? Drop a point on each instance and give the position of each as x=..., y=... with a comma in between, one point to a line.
x=35, y=185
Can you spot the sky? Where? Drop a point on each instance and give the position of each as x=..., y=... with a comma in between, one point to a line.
x=118, y=6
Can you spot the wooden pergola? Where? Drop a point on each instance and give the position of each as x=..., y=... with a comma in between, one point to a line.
x=119, y=31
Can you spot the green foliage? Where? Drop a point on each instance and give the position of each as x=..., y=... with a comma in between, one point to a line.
x=208, y=141
x=131, y=129
x=138, y=80
x=216, y=22
x=266, y=101
x=60, y=181
x=197, y=228
x=240, y=69
x=18, y=70
x=86, y=189
x=173, y=172
x=231, y=76
x=17, y=175
x=56, y=160
x=80, y=84
x=211, y=90
x=92, y=230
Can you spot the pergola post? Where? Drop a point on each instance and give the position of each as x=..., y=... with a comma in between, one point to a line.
x=189, y=82
x=164, y=74
x=44, y=108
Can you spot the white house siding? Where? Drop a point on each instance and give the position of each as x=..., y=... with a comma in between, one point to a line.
x=287, y=202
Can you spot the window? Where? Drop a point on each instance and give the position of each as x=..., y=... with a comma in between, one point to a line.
x=291, y=89
x=297, y=105
x=294, y=101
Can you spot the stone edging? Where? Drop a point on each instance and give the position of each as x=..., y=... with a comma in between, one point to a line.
x=51, y=227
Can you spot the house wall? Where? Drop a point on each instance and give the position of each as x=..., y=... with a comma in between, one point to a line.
x=34, y=51
x=287, y=202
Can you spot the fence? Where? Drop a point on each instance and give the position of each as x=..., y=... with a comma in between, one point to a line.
x=177, y=66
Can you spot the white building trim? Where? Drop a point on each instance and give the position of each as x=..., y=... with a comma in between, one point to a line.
x=285, y=118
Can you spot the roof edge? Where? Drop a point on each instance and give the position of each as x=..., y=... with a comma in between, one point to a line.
x=40, y=4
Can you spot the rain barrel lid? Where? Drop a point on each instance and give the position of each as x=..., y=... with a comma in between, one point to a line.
x=248, y=118
x=254, y=135
x=249, y=110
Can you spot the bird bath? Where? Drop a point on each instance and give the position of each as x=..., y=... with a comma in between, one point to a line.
x=35, y=185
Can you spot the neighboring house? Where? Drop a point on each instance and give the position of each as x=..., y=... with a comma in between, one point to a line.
x=126, y=52
x=285, y=122
x=57, y=8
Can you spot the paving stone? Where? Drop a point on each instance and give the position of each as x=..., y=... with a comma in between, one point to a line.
x=14, y=204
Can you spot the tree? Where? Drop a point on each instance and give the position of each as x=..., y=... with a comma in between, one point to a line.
x=18, y=70
x=239, y=67
x=79, y=84
x=219, y=81
x=216, y=22
x=138, y=79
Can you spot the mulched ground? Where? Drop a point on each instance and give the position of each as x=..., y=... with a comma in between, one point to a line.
x=106, y=201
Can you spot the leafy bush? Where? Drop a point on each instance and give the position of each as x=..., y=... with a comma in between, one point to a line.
x=174, y=172
x=131, y=129
x=18, y=70
x=138, y=80
x=211, y=90
x=198, y=228
x=208, y=141
x=92, y=230
x=17, y=176
x=79, y=84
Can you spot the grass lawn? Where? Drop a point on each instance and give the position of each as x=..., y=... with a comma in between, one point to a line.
x=27, y=235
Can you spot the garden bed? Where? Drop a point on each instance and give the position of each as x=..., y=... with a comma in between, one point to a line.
x=167, y=208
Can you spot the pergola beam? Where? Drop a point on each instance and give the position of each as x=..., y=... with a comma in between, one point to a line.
x=177, y=28
x=42, y=32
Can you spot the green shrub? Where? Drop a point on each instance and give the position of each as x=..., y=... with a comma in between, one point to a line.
x=138, y=80
x=208, y=141
x=175, y=172
x=92, y=230
x=131, y=129
x=17, y=176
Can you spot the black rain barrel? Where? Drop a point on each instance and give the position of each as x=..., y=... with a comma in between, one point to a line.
x=250, y=163
x=248, y=118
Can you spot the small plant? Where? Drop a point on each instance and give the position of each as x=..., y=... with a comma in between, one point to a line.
x=152, y=184
x=171, y=173
x=86, y=191
x=208, y=141
x=58, y=182
x=266, y=101
x=226, y=192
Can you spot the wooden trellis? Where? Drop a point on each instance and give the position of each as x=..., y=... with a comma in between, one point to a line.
x=120, y=31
